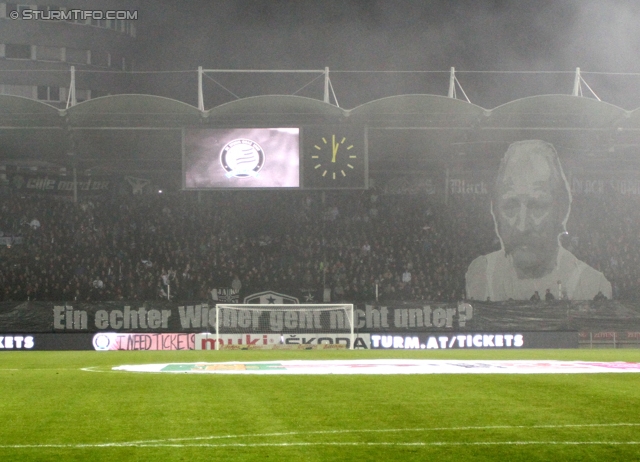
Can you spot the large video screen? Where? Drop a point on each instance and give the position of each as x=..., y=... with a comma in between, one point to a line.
x=220, y=158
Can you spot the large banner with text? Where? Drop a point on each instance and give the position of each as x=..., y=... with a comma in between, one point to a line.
x=163, y=317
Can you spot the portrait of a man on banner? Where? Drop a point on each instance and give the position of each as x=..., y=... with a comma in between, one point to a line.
x=530, y=205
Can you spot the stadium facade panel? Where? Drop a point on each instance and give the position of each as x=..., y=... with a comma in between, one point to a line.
x=36, y=54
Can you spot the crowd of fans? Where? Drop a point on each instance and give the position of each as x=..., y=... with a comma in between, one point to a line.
x=602, y=233
x=357, y=244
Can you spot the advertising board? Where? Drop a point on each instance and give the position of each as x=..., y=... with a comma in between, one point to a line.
x=465, y=340
x=207, y=341
x=45, y=342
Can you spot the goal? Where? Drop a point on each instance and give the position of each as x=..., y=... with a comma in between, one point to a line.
x=284, y=326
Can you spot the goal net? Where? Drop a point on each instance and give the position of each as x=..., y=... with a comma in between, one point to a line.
x=284, y=326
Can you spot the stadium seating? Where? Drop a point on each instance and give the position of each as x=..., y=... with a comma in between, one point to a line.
x=413, y=247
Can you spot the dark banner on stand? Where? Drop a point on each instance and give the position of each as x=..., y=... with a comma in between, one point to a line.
x=163, y=317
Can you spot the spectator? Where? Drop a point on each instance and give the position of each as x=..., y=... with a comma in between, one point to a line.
x=406, y=276
x=236, y=284
x=599, y=297
x=548, y=296
x=35, y=224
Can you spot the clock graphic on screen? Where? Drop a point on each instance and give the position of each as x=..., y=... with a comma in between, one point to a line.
x=334, y=156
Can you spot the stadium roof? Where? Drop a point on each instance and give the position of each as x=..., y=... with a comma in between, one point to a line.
x=132, y=111
x=273, y=110
x=19, y=112
x=137, y=133
x=555, y=112
x=406, y=111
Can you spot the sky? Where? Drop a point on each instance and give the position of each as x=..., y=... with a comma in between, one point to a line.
x=395, y=35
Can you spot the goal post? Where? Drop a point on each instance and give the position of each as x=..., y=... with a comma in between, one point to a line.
x=272, y=326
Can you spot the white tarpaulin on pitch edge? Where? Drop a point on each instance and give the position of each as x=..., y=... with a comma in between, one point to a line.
x=392, y=366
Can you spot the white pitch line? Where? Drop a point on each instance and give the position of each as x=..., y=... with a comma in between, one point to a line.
x=169, y=442
x=328, y=443
x=38, y=369
x=110, y=370
x=383, y=430
x=92, y=369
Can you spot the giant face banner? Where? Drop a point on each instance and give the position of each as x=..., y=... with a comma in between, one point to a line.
x=531, y=203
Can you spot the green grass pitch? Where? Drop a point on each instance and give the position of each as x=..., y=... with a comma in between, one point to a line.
x=51, y=409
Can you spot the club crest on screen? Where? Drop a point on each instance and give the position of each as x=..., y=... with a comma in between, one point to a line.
x=242, y=158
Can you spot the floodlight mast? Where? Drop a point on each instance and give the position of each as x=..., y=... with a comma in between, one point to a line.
x=577, y=89
x=71, y=98
x=577, y=85
x=200, y=95
x=453, y=80
x=452, y=83
x=326, y=84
